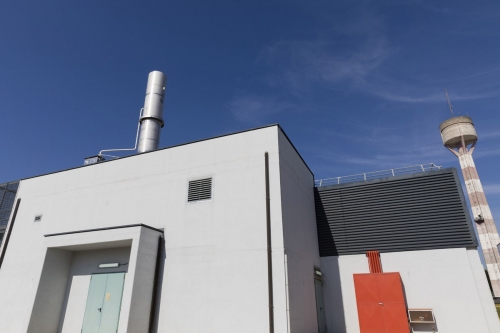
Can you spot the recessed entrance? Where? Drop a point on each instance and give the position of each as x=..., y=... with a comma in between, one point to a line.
x=103, y=303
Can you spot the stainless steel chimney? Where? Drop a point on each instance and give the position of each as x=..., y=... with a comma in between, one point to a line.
x=152, y=115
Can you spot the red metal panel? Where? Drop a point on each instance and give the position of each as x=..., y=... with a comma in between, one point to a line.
x=366, y=288
x=395, y=318
x=390, y=288
x=371, y=318
x=381, y=303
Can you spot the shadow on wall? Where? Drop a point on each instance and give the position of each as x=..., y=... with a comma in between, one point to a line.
x=51, y=290
x=425, y=328
x=327, y=245
x=332, y=289
x=420, y=328
x=162, y=260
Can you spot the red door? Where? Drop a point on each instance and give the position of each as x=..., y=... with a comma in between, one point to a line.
x=381, y=304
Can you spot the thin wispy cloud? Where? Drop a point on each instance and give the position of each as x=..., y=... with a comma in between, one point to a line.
x=431, y=98
x=358, y=147
x=384, y=147
x=253, y=109
x=479, y=153
x=358, y=56
x=344, y=59
x=491, y=189
x=490, y=135
x=308, y=63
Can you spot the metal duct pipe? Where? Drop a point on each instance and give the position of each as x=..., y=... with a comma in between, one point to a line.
x=152, y=115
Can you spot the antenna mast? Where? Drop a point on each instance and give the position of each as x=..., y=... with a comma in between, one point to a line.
x=449, y=103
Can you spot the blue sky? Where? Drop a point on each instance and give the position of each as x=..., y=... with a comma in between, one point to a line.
x=357, y=85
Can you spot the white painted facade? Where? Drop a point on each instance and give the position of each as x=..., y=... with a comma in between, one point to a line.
x=214, y=275
x=451, y=282
x=213, y=261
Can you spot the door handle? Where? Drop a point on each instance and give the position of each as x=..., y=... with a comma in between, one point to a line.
x=380, y=303
x=100, y=309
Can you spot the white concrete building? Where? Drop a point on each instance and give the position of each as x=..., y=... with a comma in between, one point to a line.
x=221, y=235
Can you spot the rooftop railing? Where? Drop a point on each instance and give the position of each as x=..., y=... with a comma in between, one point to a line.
x=377, y=174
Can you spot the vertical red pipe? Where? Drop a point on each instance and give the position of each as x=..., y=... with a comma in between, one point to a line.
x=374, y=262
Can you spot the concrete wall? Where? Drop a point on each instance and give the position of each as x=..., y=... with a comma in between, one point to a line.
x=51, y=291
x=338, y=289
x=215, y=264
x=140, y=303
x=449, y=281
x=300, y=236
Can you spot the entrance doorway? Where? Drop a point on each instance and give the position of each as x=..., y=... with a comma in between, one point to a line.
x=320, y=305
x=103, y=303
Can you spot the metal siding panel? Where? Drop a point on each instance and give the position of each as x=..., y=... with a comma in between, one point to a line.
x=395, y=318
x=390, y=288
x=366, y=288
x=415, y=212
x=380, y=302
x=393, y=303
x=369, y=315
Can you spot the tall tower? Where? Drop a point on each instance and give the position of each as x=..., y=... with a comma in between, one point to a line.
x=459, y=136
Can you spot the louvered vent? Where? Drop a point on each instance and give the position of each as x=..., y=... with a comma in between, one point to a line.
x=416, y=212
x=200, y=189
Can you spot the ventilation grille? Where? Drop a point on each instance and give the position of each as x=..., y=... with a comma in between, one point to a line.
x=410, y=213
x=200, y=189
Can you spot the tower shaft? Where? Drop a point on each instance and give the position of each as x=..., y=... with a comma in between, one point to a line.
x=460, y=137
x=486, y=229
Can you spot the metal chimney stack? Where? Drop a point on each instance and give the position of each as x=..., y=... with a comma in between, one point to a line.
x=152, y=115
x=459, y=136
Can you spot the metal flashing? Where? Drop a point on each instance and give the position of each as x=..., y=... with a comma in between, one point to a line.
x=175, y=146
x=102, y=229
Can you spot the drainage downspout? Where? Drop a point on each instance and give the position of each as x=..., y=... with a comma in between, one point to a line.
x=155, y=285
x=287, y=295
x=269, y=248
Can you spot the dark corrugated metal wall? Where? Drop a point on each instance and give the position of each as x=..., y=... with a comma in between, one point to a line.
x=8, y=193
x=415, y=212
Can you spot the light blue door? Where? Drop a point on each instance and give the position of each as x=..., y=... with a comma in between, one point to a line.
x=112, y=303
x=103, y=303
x=92, y=317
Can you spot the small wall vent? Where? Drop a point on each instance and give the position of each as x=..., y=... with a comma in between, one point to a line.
x=200, y=189
x=421, y=316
